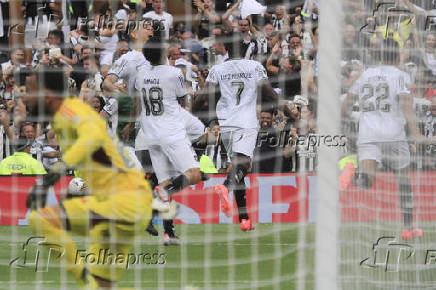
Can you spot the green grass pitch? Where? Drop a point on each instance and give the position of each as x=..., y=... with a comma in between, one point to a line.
x=211, y=256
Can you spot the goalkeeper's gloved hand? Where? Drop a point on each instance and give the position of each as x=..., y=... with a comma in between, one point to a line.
x=57, y=170
x=37, y=197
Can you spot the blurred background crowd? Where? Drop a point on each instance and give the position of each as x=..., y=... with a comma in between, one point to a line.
x=87, y=37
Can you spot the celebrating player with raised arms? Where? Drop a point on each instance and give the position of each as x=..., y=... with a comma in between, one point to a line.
x=159, y=88
x=234, y=86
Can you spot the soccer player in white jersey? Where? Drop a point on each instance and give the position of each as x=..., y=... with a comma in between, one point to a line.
x=238, y=83
x=386, y=106
x=127, y=67
x=159, y=88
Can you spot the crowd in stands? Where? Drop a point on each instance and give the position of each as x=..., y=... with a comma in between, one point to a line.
x=282, y=35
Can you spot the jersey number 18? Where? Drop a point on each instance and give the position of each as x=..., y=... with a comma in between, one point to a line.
x=153, y=104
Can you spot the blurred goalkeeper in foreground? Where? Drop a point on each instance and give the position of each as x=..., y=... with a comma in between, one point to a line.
x=120, y=202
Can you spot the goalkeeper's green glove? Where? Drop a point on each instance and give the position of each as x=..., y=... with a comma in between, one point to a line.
x=57, y=170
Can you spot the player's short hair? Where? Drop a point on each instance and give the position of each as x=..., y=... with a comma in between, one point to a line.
x=234, y=44
x=155, y=50
x=389, y=51
x=53, y=79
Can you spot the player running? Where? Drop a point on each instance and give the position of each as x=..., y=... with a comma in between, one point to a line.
x=237, y=82
x=386, y=106
x=120, y=203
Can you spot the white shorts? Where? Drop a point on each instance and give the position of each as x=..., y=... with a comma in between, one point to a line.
x=171, y=160
x=395, y=155
x=140, y=141
x=240, y=141
x=194, y=127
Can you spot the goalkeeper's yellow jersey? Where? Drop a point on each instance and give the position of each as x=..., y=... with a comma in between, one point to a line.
x=85, y=144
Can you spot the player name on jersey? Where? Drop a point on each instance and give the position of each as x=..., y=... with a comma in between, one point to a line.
x=151, y=82
x=236, y=76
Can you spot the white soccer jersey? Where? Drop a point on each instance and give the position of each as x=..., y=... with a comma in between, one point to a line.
x=111, y=109
x=238, y=81
x=127, y=67
x=381, y=118
x=160, y=87
x=165, y=19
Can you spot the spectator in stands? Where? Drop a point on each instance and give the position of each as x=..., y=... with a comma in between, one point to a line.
x=268, y=155
x=350, y=49
x=279, y=19
x=297, y=26
x=264, y=42
x=216, y=149
x=289, y=151
x=50, y=153
x=249, y=47
x=174, y=53
x=285, y=72
x=206, y=17
x=430, y=52
x=98, y=103
x=164, y=19
x=17, y=59
x=21, y=162
x=295, y=46
x=108, y=33
x=430, y=132
x=95, y=78
x=189, y=42
x=7, y=85
x=307, y=124
x=37, y=24
x=5, y=122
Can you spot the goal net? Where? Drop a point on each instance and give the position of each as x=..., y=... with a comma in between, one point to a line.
x=340, y=185
x=374, y=249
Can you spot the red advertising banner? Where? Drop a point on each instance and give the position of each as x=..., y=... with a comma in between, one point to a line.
x=271, y=198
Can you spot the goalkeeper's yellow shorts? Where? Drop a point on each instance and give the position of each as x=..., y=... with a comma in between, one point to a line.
x=111, y=222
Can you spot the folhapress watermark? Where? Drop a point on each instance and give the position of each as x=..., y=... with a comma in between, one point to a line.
x=37, y=253
x=109, y=257
x=389, y=255
x=308, y=141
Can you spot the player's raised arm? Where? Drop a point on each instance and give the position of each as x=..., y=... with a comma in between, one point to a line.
x=134, y=112
x=269, y=97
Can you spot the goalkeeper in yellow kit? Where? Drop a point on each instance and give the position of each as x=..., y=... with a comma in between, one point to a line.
x=120, y=204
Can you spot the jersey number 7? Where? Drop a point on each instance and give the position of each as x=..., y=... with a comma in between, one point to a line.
x=240, y=86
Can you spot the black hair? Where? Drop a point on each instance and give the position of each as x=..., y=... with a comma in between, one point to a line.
x=52, y=78
x=270, y=111
x=389, y=51
x=234, y=45
x=26, y=123
x=154, y=50
x=102, y=102
x=20, y=75
x=58, y=34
